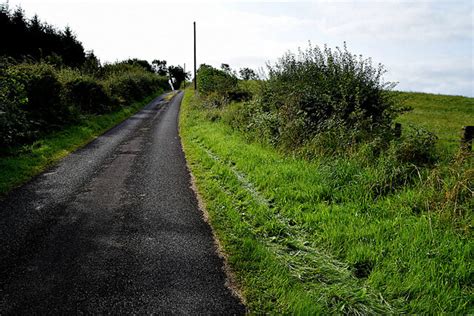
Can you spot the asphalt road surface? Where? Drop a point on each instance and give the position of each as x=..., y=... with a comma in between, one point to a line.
x=114, y=228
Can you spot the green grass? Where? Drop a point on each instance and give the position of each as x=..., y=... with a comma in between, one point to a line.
x=443, y=115
x=20, y=164
x=321, y=236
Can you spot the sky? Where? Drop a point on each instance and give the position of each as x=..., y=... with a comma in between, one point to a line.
x=425, y=46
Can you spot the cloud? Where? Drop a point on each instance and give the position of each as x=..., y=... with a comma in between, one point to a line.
x=418, y=21
x=425, y=45
x=442, y=76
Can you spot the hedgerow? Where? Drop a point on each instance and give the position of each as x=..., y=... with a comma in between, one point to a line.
x=37, y=98
x=48, y=81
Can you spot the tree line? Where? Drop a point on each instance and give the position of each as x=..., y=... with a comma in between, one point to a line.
x=33, y=39
x=48, y=81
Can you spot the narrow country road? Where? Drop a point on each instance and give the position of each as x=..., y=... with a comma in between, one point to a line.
x=114, y=228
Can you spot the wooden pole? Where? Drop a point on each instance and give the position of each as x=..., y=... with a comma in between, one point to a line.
x=195, y=78
x=398, y=130
x=466, y=141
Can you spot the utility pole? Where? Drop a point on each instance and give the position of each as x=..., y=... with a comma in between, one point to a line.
x=195, y=78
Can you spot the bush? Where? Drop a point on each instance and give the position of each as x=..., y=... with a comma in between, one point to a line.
x=128, y=83
x=219, y=87
x=416, y=146
x=44, y=107
x=216, y=83
x=320, y=102
x=14, y=125
x=88, y=96
x=326, y=91
x=37, y=98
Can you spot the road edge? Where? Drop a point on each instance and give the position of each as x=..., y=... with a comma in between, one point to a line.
x=231, y=280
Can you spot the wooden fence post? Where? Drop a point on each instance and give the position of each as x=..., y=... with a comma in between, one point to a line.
x=398, y=130
x=466, y=141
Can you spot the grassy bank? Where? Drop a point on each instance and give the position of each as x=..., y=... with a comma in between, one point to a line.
x=335, y=234
x=20, y=164
x=443, y=115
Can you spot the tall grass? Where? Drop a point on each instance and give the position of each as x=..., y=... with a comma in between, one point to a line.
x=358, y=233
x=321, y=206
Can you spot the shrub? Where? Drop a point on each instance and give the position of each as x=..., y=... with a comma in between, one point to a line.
x=221, y=87
x=43, y=89
x=128, y=83
x=14, y=125
x=88, y=96
x=212, y=81
x=324, y=90
x=37, y=97
x=415, y=146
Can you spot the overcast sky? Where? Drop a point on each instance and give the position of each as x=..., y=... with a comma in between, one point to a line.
x=425, y=45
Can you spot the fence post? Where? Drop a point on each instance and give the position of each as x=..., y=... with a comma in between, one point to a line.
x=466, y=141
x=398, y=130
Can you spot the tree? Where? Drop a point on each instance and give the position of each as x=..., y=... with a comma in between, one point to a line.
x=35, y=25
x=6, y=27
x=226, y=68
x=73, y=52
x=159, y=66
x=177, y=75
x=248, y=74
x=32, y=39
x=19, y=31
x=140, y=62
x=91, y=64
x=18, y=18
x=35, y=38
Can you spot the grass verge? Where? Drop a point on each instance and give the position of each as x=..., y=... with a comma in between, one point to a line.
x=20, y=164
x=323, y=236
x=443, y=115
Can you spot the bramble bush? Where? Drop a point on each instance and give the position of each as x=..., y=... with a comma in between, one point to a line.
x=128, y=83
x=45, y=108
x=415, y=146
x=88, y=96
